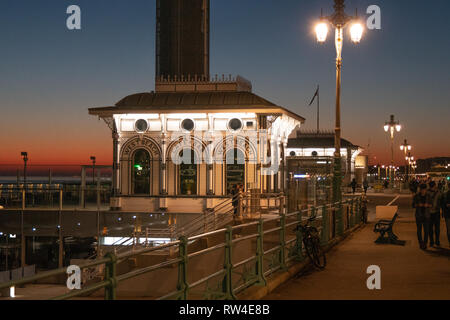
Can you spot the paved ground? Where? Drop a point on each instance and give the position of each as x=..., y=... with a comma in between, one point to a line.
x=406, y=272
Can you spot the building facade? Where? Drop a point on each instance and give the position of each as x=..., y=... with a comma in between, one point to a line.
x=184, y=147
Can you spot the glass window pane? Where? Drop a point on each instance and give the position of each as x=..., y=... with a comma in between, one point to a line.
x=141, y=172
x=188, y=173
x=235, y=169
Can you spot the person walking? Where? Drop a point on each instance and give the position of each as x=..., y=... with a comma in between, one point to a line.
x=422, y=204
x=445, y=205
x=435, y=215
x=365, y=186
x=353, y=184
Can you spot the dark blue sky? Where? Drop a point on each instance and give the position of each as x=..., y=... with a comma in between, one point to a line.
x=50, y=75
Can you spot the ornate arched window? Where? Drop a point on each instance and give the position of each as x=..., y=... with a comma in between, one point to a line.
x=141, y=172
x=188, y=172
x=235, y=169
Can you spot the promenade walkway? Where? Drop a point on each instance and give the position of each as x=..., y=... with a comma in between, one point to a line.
x=406, y=272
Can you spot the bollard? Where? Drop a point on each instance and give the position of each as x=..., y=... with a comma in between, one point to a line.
x=227, y=284
x=182, y=285
x=110, y=277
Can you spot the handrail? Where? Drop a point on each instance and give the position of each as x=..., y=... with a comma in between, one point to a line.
x=229, y=288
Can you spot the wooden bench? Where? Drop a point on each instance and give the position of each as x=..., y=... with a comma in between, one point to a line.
x=386, y=230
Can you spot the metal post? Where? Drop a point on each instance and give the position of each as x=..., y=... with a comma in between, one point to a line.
x=110, y=276
x=98, y=189
x=352, y=212
x=325, y=226
x=340, y=219
x=260, y=255
x=227, y=284
x=22, y=246
x=182, y=285
x=299, y=240
x=83, y=188
x=337, y=176
x=283, y=242
x=61, y=245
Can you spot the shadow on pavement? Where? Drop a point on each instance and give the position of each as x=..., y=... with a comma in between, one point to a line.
x=439, y=251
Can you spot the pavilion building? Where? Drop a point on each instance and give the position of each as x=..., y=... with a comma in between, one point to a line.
x=182, y=147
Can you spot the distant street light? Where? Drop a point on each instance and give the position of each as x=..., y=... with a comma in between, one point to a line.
x=338, y=20
x=25, y=160
x=405, y=147
x=392, y=126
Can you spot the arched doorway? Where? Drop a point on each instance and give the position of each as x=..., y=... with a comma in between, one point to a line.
x=235, y=169
x=141, y=172
x=188, y=172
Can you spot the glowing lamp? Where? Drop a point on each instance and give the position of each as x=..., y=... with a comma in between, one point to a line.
x=398, y=128
x=356, y=32
x=386, y=128
x=321, y=32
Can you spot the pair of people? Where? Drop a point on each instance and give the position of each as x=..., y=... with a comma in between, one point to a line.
x=428, y=203
x=354, y=184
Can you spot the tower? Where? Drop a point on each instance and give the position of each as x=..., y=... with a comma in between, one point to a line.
x=182, y=39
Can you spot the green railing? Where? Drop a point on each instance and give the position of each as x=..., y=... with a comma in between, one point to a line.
x=263, y=247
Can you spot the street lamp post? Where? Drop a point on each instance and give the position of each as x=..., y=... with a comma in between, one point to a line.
x=339, y=20
x=25, y=160
x=405, y=147
x=22, y=227
x=93, y=169
x=409, y=160
x=392, y=126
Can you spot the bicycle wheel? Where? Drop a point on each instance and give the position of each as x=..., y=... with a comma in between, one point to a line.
x=315, y=252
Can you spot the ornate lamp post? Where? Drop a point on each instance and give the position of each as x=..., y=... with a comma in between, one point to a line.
x=405, y=147
x=392, y=126
x=338, y=20
x=409, y=160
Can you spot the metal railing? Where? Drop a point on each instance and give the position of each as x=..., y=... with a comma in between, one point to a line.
x=250, y=253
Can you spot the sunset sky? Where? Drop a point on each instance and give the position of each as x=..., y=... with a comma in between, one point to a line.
x=50, y=76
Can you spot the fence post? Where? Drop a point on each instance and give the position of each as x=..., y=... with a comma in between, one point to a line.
x=182, y=269
x=340, y=219
x=358, y=207
x=352, y=212
x=325, y=226
x=227, y=284
x=110, y=276
x=260, y=255
x=299, y=240
x=283, y=242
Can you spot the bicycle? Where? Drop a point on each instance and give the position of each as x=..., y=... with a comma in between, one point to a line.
x=311, y=241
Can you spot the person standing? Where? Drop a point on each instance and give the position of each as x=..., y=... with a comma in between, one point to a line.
x=365, y=186
x=353, y=184
x=435, y=215
x=422, y=204
x=445, y=205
